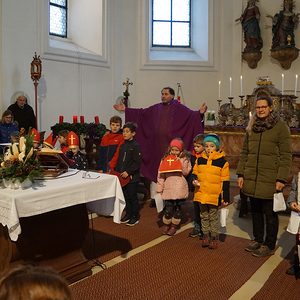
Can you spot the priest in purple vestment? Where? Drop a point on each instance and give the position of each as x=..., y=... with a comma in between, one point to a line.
x=159, y=124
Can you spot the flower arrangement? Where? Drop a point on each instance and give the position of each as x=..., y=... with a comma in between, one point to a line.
x=210, y=115
x=20, y=162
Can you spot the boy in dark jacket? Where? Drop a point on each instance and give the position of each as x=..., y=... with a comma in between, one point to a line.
x=77, y=158
x=129, y=161
x=110, y=144
x=198, y=149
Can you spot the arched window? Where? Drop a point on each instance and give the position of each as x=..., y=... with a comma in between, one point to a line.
x=65, y=37
x=198, y=36
x=171, y=23
x=58, y=18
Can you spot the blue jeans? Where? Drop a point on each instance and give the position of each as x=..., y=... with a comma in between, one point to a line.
x=131, y=199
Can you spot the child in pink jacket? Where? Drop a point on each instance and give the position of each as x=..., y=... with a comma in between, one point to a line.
x=173, y=186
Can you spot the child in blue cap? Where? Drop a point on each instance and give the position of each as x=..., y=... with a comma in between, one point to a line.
x=211, y=170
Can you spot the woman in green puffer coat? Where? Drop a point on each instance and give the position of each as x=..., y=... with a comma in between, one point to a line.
x=263, y=169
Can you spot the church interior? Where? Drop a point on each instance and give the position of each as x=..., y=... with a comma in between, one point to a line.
x=109, y=42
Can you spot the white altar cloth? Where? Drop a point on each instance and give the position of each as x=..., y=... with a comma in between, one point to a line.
x=102, y=193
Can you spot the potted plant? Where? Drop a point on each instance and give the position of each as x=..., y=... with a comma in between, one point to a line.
x=210, y=118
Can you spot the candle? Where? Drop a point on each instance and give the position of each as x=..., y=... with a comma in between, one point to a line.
x=61, y=119
x=81, y=119
x=74, y=120
x=97, y=120
x=296, y=84
x=241, y=85
x=250, y=114
x=282, y=84
x=219, y=90
x=178, y=99
x=230, y=87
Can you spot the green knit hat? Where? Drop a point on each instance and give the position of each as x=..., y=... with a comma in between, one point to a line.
x=212, y=137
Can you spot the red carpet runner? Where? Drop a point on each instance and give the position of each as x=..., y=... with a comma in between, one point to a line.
x=177, y=268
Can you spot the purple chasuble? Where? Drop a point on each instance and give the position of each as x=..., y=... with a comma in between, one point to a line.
x=157, y=126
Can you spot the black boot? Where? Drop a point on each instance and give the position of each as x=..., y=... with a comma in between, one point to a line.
x=152, y=203
x=294, y=269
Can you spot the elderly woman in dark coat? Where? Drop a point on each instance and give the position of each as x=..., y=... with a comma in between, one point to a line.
x=263, y=169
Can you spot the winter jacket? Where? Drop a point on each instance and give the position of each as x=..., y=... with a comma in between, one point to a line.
x=214, y=177
x=265, y=158
x=6, y=129
x=78, y=160
x=24, y=116
x=130, y=159
x=109, y=151
x=190, y=177
x=294, y=192
x=173, y=185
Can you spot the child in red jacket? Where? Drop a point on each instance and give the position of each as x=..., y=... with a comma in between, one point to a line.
x=110, y=144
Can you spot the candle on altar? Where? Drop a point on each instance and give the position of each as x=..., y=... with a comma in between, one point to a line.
x=250, y=114
x=97, y=120
x=230, y=87
x=81, y=119
x=282, y=84
x=61, y=119
x=241, y=85
x=178, y=99
x=74, y=120
x=296, y=84
x=219, y=90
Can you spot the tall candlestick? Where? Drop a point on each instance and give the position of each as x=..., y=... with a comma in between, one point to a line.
x=296, y=84
x=282, y=84
x=241, y=85
x=81, y=119
x=219, y=90
x=230, y=87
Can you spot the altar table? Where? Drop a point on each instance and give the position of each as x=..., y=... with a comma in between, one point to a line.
x=48, y=221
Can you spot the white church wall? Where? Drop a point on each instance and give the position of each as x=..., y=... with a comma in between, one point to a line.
x=70, y=88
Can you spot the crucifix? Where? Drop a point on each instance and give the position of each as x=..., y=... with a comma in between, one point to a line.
x=127, y=83
x=126, y=93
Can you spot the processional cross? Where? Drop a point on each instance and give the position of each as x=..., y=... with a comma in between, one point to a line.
x=127, y=83
x=126, y=93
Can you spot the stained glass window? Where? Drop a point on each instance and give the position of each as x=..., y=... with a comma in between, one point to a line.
x=171, y=23
x=58, y=18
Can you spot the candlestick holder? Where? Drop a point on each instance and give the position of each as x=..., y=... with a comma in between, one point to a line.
x=229, y=121
x=219, y=120
x=294, y=122
x=281, y=109
x=240, y=120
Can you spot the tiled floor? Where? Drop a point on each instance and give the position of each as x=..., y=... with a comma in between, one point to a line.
x=239, y=227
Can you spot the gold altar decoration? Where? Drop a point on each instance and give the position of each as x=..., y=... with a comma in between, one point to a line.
x=284, y=105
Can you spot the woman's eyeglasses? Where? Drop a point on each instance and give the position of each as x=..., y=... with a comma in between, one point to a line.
x=261, y=107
